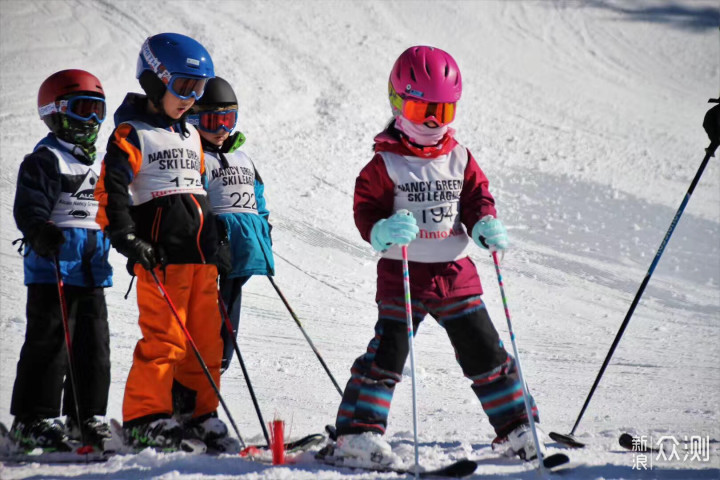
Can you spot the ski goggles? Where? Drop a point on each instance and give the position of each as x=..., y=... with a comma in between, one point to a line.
x=186, y=87
x=80, y=107
x=418, y=111
x=214, y=121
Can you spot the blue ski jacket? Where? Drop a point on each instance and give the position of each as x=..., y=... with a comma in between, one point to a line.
x=237, y=196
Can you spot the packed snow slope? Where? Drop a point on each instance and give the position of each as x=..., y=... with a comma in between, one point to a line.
x=585, y=116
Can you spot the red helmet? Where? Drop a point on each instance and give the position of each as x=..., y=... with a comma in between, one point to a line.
x=67, y=82
x=428, y=74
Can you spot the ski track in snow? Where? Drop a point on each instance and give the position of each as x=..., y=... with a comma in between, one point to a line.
x=585, y=116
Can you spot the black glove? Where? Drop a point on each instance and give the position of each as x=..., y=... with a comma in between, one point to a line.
x=136, y=249
x=711, y=124
x=47, y=239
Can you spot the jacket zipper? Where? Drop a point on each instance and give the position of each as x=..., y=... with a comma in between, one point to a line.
x=155, y=232
x=202, y=220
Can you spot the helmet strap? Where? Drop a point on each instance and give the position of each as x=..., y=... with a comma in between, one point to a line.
x=154, y=88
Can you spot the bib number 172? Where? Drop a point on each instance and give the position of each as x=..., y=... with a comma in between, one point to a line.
x=186, y=182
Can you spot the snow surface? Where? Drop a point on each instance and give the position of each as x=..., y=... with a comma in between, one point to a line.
x=586, y=117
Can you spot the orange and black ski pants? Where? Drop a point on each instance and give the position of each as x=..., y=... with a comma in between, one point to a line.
x=164, y=353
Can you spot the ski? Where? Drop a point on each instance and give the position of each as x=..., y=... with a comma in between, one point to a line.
x=555, y=460
x=635, y=444
x=40, y=455
x=304, y=443
x=457, y=469
x=119, y=443
x=551, y=462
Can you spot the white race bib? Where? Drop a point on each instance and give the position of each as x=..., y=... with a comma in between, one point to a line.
x=76, y=207
x=430, y=189
x=231, y=189
x=170, y=163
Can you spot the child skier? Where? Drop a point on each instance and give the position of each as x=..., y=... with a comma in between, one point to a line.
x=236, y=195
x=419, y=167
x=155, y=210
x=55, y=211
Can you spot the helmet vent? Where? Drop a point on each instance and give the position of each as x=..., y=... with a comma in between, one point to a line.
x=447, y=70
x=412, y=75
x=427, y=69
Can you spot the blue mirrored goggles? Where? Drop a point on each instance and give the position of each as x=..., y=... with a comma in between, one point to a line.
x=186, y=87
x=80, y=107
x=214, y=121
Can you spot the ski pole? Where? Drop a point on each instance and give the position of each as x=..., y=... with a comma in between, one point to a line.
x=297, y=321
x=68, y=346
x=641, y=290
x=411, y=335
x=526, y=394
x=197, y=354
x=228, y=327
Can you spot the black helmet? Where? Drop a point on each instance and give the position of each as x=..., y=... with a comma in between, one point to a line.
x=218, y=93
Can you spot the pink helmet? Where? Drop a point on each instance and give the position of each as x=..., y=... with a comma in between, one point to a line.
x=428, y=74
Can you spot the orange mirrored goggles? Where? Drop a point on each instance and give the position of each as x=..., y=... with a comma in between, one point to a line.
x=420, y=112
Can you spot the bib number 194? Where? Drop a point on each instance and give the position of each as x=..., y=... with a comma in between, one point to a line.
x=438, y=214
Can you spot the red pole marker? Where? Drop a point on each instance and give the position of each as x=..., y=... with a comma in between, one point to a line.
x=277, y=441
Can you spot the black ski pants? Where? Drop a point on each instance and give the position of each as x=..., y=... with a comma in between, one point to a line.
x=42, y=370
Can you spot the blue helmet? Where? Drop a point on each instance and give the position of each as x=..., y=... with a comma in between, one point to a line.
x=166, y=56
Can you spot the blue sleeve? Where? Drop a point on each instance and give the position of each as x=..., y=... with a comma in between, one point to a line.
x=260, y=197
x=38, y=189
x=261, y=204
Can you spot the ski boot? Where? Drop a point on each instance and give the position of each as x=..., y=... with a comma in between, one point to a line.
x=519, y=442
x=46, y=433
x=163, y=434
x=94, y=431
x=366, y=448
x=213, y=432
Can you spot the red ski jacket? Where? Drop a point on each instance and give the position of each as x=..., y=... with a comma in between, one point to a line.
x=374, y=200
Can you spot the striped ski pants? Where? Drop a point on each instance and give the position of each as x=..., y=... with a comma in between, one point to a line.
x=478, y=349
